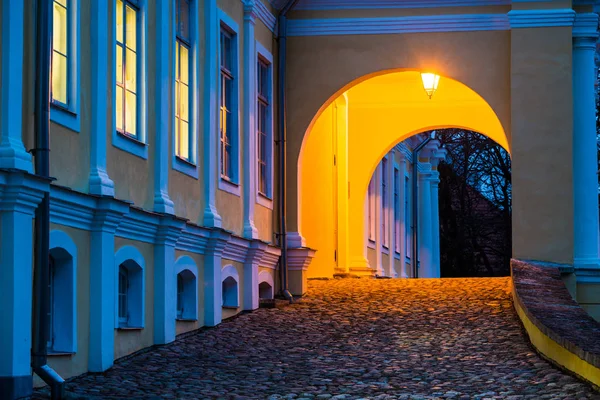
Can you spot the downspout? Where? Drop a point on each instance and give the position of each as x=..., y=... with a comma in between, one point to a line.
x=281, y=121
x=41, y=152
x=415, y=207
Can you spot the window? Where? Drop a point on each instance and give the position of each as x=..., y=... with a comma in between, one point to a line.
x=127, y=69
x=123, y=286
x=65, y=66
x=407, y=218
x=129, y=288
x=60, y=53
x=384, y=203
x=230, y=288
x=396, y=210
x=51, y=286
x=183, y=133
x=371, y=209
x=263, y=128
x=226, y=107
x=187, y=289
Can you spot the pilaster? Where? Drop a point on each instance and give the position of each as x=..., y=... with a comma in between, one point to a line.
x=585, y=158
x=213, y=296
x=404, y=218
x=165, y=284
x=99, y=181
x=12, y=150
x=389, y=214
x=253, y=257
x=211, y=218
x=162, y=112
x=425, y=223
x=20, y=194
x=108, y=215
x=438, y=156
x=250, y=156
x=378, y=215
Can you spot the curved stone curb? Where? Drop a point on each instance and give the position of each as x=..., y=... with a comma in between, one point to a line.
x=557, y=326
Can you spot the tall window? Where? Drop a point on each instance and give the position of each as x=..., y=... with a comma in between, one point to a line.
x=384, y=203
x=123, y=286
x=396, y=210
x=407, y=219
x=227, y=81
x=51, y=287
x=127, y=68
x=183, y=133
x=262, y=127
x=60, y=53
x=371, y=210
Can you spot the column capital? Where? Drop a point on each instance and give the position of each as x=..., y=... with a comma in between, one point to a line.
x=255, y=252
x=217, y=241
x=250, y=11
x=169, y=230
x=21, y=191
x=109, y=213
x=585, y=27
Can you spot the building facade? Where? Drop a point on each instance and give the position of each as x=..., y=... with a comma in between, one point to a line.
x=171, y=168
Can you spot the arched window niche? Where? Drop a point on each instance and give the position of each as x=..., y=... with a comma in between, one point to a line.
x=186, y=271
x=230, y=287
x=130, y=288
x=265, y=285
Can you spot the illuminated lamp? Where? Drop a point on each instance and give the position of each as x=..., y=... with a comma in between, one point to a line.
x=430, y=82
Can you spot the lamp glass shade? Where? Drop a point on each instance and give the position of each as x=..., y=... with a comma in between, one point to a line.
x=430, y=82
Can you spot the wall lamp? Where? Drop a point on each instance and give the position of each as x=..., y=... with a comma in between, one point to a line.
x=430, y=82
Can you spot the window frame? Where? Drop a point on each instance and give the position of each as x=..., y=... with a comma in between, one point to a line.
x=385, y=229
x=123, y=320
x=231, y=184
x=130, y=258
x=185, y=265
x=371, y=210
x=265, y=199
x=188, y=167
x=69, y=115
x=397, y=205
x=407, y=217
x=138, y=145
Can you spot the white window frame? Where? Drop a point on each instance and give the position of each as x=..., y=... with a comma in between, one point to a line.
x=233, y=184
x=130, y=258
x=266, y=199
x=189, y=167
x=63, y=305
x=68, y=115
x=137, y=146
x=397, y=205
x=186, y=266
x=230, y=299
x=384, y=190
x=371, y=210
x=407, y=216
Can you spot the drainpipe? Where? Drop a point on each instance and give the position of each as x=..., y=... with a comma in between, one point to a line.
x=415, y=207
x=42, y=213
x=281, y=121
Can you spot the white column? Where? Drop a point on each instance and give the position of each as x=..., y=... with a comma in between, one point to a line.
x=378, y=215
x=162, y=103
x=435, y=223
x=390, y=215
x=12, y=151
x=250, y=155
x=585, y=160
x=99, y=181
x=255, y=253
x=108, y=215
x=213, y=300
x=165, y=281
x=211, y=125
x=425, y=234
x=19, y=196
x=403, y=217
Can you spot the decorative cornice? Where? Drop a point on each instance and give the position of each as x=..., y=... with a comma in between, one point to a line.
x=541, y=18
x=299, y=259
x=236, y=249
x=393, y=25
x=256, y=9
x=270, y=257
x=377, y=4
x=586, y=26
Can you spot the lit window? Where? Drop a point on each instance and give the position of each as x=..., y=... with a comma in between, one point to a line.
x=263, y=142
x=371, y=209
x=127, y=67
x=60, y=53
x=226, y=125
x=407, y=220
x=183, y=133
x=123, y=287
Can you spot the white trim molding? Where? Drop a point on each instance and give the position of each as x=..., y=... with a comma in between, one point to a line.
x=394, y=25
x=541, y=18
x=372, y=4
x=263, y=14
x=586, y=26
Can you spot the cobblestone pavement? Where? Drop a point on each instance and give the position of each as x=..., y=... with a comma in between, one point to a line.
x=350, y=339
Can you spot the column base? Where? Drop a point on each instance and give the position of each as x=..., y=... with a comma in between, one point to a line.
x=163, y=204
x=295, y=240
x=13, y=155
x=250, y=231
x=211, y=218
x=16, y=387
x=298, y=261
x=101, y=184
x=360, y=266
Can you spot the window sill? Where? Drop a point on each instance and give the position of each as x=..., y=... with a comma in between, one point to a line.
x=230, y=187
x=186, y=319
x=371, y=244
x=231, y=307
x=130, y=144
x=52, y=353
x=185, y=167
x=385, y=250
x=130, y=328
x=397, y=255
x=264, y=201
x=65, y=117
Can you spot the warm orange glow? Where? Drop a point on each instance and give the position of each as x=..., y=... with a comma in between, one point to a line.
x=430, y=82
x=357, y=129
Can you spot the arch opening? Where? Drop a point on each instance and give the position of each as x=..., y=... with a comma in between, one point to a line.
x=345, y=143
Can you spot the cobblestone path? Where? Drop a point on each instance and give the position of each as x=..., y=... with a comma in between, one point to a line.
x=350, y=339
